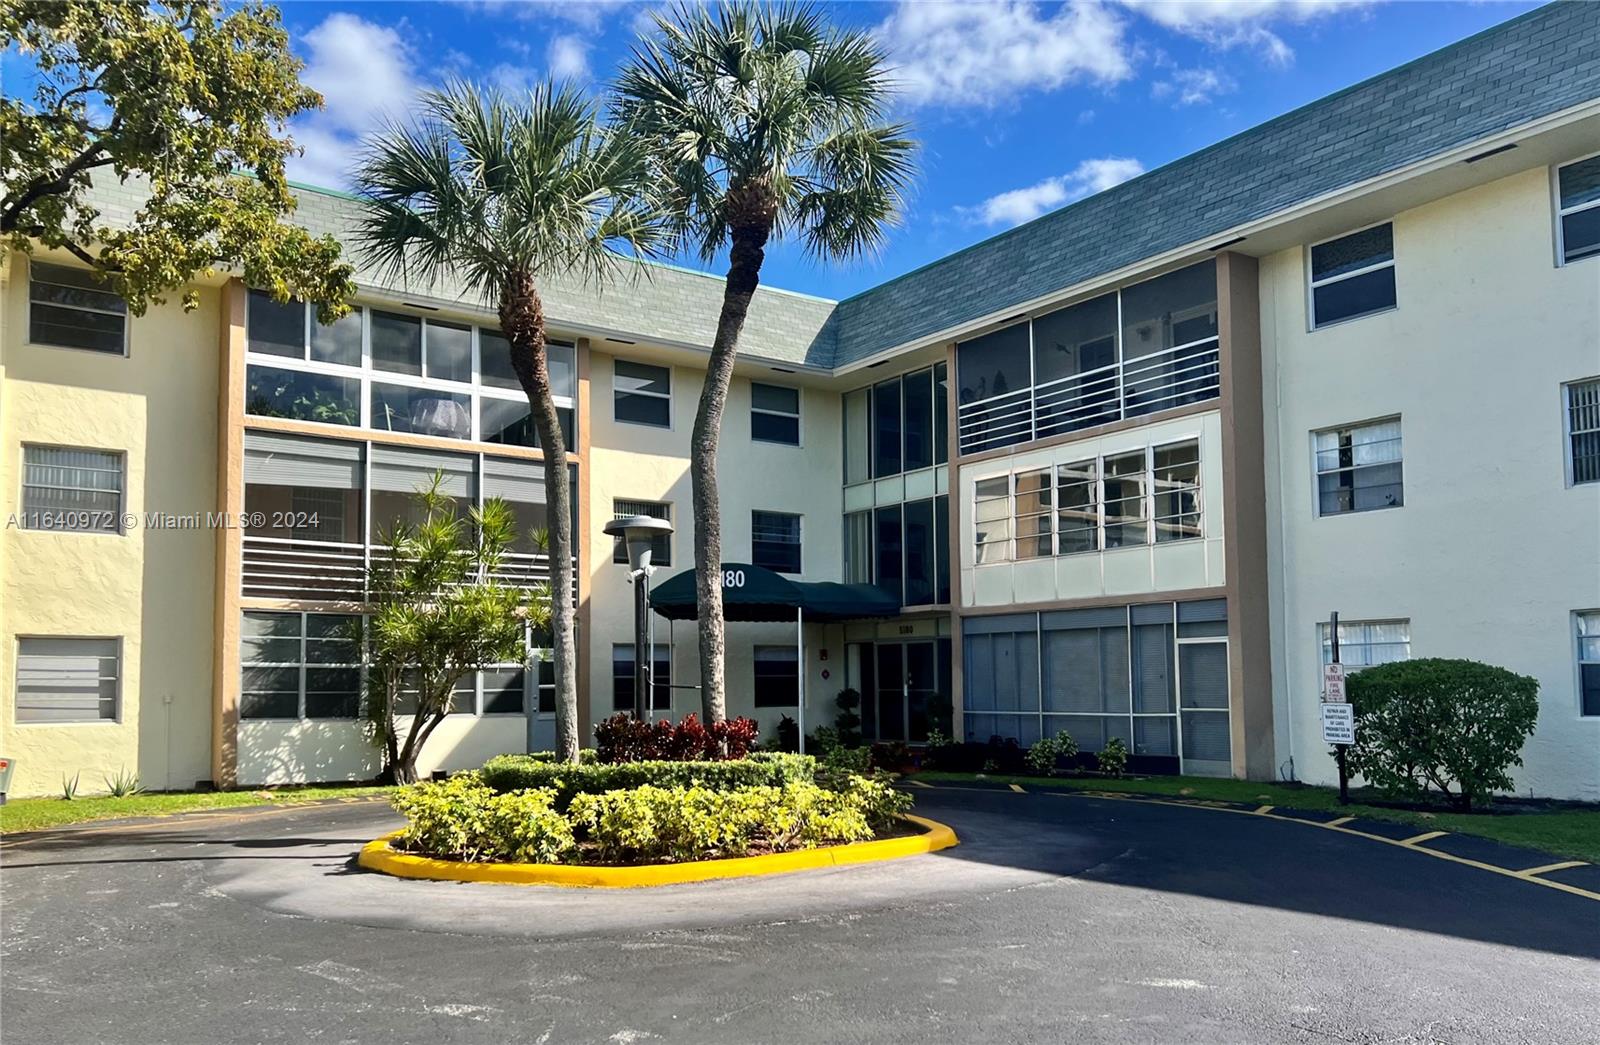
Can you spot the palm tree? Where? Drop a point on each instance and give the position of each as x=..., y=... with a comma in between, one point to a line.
x=496, y=193
x=764, y=121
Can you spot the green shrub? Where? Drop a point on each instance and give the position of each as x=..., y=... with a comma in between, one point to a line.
x=1456, y=726
x=1113, y=758
x=847, y=721
x=464, y=819
x=760, y=769
x=1043, y=755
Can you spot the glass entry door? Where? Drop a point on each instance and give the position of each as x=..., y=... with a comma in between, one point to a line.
x=897, y=692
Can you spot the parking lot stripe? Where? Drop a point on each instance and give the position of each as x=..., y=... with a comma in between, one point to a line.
x=1265, y=809
x=1341, y=820
x=1547, y=868
x=1423, y=837
x=1018, y=789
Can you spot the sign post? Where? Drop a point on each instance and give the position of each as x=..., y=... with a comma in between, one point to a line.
x=1338, y=717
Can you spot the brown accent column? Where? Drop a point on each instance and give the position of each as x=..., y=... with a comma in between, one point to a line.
x=1244, y=495
x=230, y=542
x=581, y=534
x=953, y=528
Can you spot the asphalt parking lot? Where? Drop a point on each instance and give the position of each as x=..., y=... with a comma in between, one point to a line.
x=1057, y=919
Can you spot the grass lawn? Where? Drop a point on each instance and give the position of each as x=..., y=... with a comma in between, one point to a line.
x=33, y=814
x=1569, y=832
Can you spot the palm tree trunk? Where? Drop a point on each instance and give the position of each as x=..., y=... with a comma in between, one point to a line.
x=522, y=321
x=744, y=275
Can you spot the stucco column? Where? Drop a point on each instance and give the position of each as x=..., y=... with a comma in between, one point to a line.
x=953, y=504
x=225, y=681
x=581, y=531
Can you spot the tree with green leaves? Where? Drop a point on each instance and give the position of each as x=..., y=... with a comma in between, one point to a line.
x=436, y=614
x=763, y=121
x=189, y=101
x=497, y=194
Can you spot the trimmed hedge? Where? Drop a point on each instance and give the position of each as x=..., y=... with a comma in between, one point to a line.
x=760, y=769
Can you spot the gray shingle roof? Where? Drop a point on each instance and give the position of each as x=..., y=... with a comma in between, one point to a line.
x=1534, y=65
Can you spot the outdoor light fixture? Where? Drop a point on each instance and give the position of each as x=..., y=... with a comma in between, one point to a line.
x=638, y=533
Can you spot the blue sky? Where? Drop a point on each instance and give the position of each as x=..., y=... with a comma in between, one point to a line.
x=1021, y=107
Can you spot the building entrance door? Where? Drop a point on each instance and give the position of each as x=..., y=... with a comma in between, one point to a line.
x=901, y=682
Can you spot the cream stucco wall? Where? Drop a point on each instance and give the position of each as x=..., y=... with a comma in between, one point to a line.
x=283, y=752
x=1142, y=569
x=1492, y=551
x=151, y=589
x=635, y=462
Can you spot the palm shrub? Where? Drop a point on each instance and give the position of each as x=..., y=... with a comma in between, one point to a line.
x=436, y=615
x=495, y=194
x=763, y=121
x=1451, y=726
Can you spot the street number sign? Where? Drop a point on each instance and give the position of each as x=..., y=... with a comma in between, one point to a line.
x=1333, y=683
x=1338, y=724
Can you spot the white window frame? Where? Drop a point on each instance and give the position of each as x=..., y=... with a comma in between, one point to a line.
x=1579, y=660
x=1568, y=432
x=799, y=542
x=304, y=639
x=617, y=544
x=799, y=424
x=1317, y=473
x=27, y=319
x=1011, y=518
x=1325, y=646
x=122, y=491
x=1313, y=284
x=16, y=667
x=474, y=389
x=1560, y=212
x=667, y=395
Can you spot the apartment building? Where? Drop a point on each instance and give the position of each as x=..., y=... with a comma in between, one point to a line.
x=1118, y=465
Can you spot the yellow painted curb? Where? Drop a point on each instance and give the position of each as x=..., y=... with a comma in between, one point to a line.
x=378, y=856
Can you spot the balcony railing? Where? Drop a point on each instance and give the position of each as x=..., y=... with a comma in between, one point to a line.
x=1128, y=388
x=328, y=571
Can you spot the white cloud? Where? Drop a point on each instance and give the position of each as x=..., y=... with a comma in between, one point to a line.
x=1020, y=205
x=1194, y=86
x=364, y=72
x=1240, y=23
x=985, y=54
x=586, y=13
x=568, y=56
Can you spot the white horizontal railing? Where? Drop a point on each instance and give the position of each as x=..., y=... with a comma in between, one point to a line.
x=280, y=568
x=1128, y=388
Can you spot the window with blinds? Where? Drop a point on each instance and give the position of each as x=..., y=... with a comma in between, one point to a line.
x=68, y=679
x=775, y=541
x=71, y=308
x=1583, y=431
x=1364, y=643
x=64, y=488
x=660, y=544
x=1359, y=468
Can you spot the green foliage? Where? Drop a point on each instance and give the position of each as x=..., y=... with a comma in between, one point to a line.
x=760, y=769
x=464, y=819
x=1113, y=758
x=1455, y=726
x=1043, y=756
x=187, y=98
x=437, y=614
x=848, y=721
x=120, y=784
x=69, y=786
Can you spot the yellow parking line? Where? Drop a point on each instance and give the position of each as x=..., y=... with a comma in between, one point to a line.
x=1425, y=836
x=1341, y=820
x=1547, y=868
x=919, y=783
x=1018, y=789
x=1264, y=809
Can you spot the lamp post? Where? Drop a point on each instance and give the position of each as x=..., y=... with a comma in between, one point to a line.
x=638, y=532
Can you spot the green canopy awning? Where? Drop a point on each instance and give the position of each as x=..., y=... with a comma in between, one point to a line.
x=755, y=593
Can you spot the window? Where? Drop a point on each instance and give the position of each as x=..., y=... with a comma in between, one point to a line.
x=660, y=545
x=290, y=329
x=774, y=414
x=898, y=425
x=1588, y=622
x=68, y=680
x=328, y=398
x=888, y=526
x=886, y=429
x=422, y=411
x=1352, y=276
x=1175, y=485
x=71, y=308
x=1365, y=643
x=857, y=436
x=1578, y=209
x=1078, y=507
x=1583, y=431
x=777, y=677
x=300, y=665
x=775, y=541
x=858, y=548
x=502, y=689
x=622, y=678
x=642, y=394
x=903, y=548
x=397, y=343
x=1359, y=468
x=70, y=489
x=921, y=553
x=1125, y=520
x=992, y=519
x=1035, y=518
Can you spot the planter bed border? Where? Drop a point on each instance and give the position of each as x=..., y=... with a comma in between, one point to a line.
x=378, y=855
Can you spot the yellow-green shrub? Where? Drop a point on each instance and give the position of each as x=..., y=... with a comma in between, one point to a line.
x=464, y=819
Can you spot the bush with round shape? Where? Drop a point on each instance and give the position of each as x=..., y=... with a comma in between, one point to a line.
x=1113, y=758
x=1455, y=727
x=462, y=818
x=1043, y=756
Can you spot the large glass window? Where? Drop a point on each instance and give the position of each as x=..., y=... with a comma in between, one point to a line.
x=858, y=549
x=421, y=411
x=622, y=678
x=68, y=679
x=777, y=677
x=857, y=436
x=886, y=429
x=71, y=308
x=302, y=395
x=1365, y=643
x=276, y=328
x=1352, y=276
x=300, y=665
x=397, y=475
x=1588, y=625
x=774, y=414
x=449, y=352
x=991, y=518
x=660, y=544
x=917, y=420
x=1578, y=209
x=902, y=548
x=898, y=425
x=64, y=488
x=1125, y=520
x=1175, y=486
x=1035, y=516
x=1359, y=468
x=921, y=551
x=397, y=343
x=1583, y=431
x=890, y=549
x=775, y=541
x=1074, y=363
x=1078, y=507
x=642, y=394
